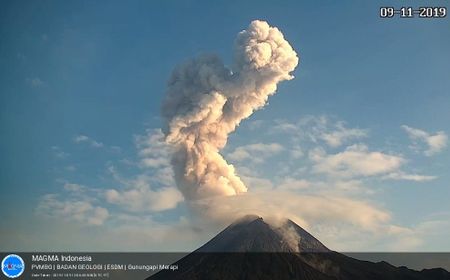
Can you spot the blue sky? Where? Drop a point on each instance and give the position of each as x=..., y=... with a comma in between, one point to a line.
x=82, y=83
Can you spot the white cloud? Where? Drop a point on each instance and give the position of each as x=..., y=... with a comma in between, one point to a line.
x=332, y=187
x=154, y=162
x=259, y=183
x=255, y=124
x=74, y=187
x=152, y=149
x=313, y=212
x=35, y=82
x=137, y=194
x=340, y=134
x=435, y=143
x=341, y=222
x=335, y=209
x=83, y=211
x=434, y=230
x=428, y=234
x=409, y=177
x=296, y=152
x=285, y=126
x=152, y=189
x=96, y=144
x=293, y=184
x=142, y=198
x=355, y=160
x=83, y=138
x=116, y=149
x=58, y=152
x=312, y=128
x=70, y=168
x=98, y=216
x=255, y=153
x=123, y=232
x=77, y=203
x=348, y=186
x=154, y=156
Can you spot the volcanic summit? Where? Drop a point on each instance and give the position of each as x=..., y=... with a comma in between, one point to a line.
x=251, y=248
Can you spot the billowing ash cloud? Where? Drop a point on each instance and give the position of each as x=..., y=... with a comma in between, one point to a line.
x=206, y=101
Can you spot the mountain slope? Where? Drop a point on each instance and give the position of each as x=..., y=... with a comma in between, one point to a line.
x=251, y=249
x=253, y=234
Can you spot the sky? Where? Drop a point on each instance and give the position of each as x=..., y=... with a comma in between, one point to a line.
x=354, y=148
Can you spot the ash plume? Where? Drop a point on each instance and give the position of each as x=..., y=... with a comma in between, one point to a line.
x=205, y=102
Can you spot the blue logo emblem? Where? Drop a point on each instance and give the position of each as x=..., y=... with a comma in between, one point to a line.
x=13, y=266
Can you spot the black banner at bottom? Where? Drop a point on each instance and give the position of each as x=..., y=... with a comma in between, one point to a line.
x=78, y=265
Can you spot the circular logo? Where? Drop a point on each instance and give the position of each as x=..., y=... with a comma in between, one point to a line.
x=12, y=266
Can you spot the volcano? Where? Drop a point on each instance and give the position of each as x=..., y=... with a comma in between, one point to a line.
x=251, y=249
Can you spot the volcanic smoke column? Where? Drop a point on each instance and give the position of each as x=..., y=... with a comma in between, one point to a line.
x=205, y=102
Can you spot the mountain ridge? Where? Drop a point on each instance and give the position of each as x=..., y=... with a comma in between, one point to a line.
x=251, y=248
x=287, y=237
